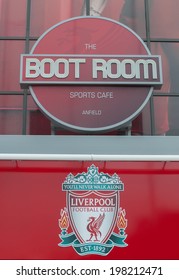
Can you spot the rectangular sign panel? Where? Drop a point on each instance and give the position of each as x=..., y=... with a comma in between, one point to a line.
x=94, y=69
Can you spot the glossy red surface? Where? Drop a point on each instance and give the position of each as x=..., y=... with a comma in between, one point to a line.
x=31, y=199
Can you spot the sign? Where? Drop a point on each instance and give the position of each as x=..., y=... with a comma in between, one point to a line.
x=90, y=74
x=45, y=69
x=93, y=213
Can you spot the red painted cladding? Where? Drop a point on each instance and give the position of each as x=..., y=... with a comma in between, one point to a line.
x=31, y=199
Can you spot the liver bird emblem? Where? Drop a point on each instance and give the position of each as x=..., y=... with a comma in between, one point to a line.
x=94, y=226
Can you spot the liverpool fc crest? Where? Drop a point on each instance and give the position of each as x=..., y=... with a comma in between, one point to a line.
x=93, y=221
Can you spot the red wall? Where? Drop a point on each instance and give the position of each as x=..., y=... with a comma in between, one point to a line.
x=31, y=198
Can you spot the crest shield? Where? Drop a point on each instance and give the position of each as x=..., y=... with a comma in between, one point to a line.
x=93, y=215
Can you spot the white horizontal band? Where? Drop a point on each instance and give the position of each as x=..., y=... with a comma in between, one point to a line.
x=88, y=157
